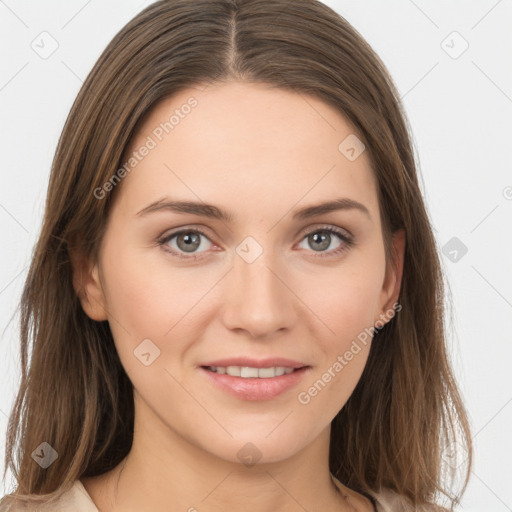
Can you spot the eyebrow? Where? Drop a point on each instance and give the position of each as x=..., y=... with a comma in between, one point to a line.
x=214, y=212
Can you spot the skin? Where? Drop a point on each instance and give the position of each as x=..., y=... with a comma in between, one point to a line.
x=260, y=153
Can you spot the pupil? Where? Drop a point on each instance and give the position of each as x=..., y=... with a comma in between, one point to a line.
x=324, y=239
x=191, y=241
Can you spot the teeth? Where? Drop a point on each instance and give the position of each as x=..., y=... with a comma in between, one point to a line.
x=267, y=372
x=248, y=372
x=234, y=371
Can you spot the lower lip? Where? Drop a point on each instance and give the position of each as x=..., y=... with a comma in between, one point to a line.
x=254, y=388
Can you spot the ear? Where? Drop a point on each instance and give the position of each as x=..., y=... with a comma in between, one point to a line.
x=393, y=278
x=87, y=285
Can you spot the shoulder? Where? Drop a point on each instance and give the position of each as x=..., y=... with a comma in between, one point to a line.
x=387, y=500
x=390, y=501
x=75, y=498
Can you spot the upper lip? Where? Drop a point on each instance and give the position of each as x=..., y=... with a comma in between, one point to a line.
x=255, y=363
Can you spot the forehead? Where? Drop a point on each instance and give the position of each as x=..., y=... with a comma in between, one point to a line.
x=247, y=146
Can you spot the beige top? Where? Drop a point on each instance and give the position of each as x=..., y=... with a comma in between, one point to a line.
x=76, y=499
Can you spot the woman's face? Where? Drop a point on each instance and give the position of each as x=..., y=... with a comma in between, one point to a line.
x=260, y=286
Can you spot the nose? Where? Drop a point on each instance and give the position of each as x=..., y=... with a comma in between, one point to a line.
x=258, y=298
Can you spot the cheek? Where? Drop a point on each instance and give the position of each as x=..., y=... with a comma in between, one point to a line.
x=136, y=295
x=336, y=383
x=346, y=304
x=149, y=298
x=141, y=302
x=346, y=300
x=348, y=312
x=144, y=292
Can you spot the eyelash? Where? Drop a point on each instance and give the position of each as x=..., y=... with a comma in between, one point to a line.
x=348, y=242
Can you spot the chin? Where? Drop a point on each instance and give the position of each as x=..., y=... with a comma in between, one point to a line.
x=255, y=448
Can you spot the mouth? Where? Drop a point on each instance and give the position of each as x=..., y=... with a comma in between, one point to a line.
x=254, y=383
x=248, y=372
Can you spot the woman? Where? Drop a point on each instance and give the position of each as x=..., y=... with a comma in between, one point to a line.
x=236, y=295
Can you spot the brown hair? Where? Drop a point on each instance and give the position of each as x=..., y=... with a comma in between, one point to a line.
x=75, y=395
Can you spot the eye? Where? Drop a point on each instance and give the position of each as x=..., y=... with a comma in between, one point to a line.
x=321, y=238
x=187, y=241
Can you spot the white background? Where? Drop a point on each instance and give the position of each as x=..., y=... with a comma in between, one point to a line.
x=460, y=111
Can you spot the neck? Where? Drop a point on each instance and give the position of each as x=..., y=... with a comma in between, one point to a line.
x=165, y=471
